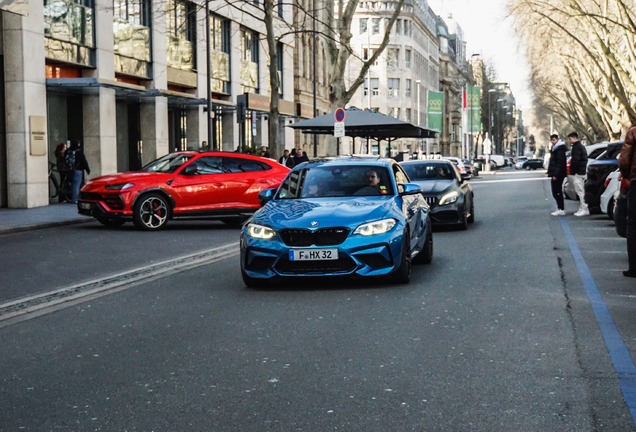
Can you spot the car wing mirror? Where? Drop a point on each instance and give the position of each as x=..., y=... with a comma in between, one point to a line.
x=409, y=189
x=266, y=195
x=191, y=169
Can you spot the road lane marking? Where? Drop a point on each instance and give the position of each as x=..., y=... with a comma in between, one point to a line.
x=40, y=304
x=622, y=361
x=511, y=180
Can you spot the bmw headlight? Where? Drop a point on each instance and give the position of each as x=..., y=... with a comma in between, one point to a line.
x=260, y=231
x=377, y=227
x=119, y=186
x=449, y=198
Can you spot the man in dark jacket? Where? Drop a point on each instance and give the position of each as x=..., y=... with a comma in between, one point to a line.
x=557, y=170
x=78, y=160
x=300, y=157
x=627, y=165
x=287, y=160
x=578, y=171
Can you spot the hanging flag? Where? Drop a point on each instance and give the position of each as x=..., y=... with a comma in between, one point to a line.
x=435, y=111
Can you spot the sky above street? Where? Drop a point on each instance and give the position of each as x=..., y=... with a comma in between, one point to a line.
x=489, y=32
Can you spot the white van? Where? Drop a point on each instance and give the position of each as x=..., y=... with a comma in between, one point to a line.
x=498, y=159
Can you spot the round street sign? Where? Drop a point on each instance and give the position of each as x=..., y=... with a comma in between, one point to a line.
x=339, y=115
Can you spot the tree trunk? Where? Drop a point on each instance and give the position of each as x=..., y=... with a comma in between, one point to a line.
x=273, y=126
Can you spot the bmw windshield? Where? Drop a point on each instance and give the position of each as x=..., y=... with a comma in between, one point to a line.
x=337, y=181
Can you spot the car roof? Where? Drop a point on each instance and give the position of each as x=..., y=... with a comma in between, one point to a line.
x=349, y=160
x=437, y=161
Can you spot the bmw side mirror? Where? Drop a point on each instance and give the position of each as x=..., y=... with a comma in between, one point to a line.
x=409, y=189
x=266, y=195
x=191, y=169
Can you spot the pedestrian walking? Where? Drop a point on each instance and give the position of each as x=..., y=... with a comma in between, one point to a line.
x=578, y=172
x=75, y=157
x=627, y=166
x=63, y=168
x=287, y=160
x=557, y=172
x=300, y=157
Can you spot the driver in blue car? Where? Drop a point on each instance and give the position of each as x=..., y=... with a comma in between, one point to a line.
x=371, y=184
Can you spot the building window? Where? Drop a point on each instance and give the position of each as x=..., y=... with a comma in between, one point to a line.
x=454, y=132
x=363, y=25
x=181, y=34
x=408, y=115
x=394, y=112
x=407, y=58
x=131, y=37
x=376, y=25
x=398, y=26
x=393, y=87
x=69, y=31
x=220, y=54
x=375, y=109
x=408, y=88
x=249, y=61
x=393, y=57
x=375, y=86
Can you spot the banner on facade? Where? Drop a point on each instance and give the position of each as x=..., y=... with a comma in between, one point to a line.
x=473, y=106
x=435, y=111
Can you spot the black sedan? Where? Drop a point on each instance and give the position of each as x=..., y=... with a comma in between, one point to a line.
x=533, y=164
x=450, y=197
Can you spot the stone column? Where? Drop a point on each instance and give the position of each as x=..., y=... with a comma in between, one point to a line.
x=100, y=131
x=25, y=96
x=193, y=118
x=154, y=128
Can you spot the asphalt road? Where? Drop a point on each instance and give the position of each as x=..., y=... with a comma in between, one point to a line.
x=496, y=334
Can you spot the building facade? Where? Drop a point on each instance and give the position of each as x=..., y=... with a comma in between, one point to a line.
x=405, y=72
x=128, y=79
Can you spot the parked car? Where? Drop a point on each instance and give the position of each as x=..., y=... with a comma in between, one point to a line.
x=480, y=164
x=459, y=164
x=182, y=185
x=612, y=185
x=519, y=162
x=620, y=208
x=449, y=196
x=532, y=164
x=474, y=171
x=498, y=159
x=593, y=152
x=597, y=173
x=338, y=217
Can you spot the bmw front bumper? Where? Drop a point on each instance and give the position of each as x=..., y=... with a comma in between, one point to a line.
x=375, y=255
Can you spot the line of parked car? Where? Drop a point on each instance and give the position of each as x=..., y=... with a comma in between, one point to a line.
x=346, y=216
x=604, y=193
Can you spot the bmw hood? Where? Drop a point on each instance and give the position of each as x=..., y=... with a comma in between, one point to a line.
x=323, y=212
x=433, y=186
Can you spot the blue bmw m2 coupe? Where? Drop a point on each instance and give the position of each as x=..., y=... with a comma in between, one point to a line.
x=347, y=216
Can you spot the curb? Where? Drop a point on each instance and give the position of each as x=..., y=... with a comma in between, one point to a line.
x=43, y=225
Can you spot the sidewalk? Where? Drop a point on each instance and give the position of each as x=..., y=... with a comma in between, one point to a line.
x=55, y=214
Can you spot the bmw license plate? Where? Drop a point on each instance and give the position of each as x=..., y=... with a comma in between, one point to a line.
x=313, y=254
x=85, y=206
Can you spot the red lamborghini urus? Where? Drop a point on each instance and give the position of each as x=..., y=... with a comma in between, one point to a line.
x=182, y=185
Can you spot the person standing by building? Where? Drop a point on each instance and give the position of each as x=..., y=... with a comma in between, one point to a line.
x=557, y=172
x=627, y=166
x=265, y=152
x=300, y=157
x=287, y=160
x=578, y=171
x=75, y=157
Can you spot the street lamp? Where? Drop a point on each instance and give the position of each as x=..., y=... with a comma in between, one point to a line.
x=418, y=82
